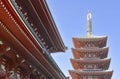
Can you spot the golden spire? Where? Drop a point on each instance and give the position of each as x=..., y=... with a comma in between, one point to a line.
x=89, y=24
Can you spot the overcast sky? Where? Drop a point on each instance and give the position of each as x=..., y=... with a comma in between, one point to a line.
x=70, y=19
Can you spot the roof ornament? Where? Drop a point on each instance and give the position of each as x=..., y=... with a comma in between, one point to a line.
x=89, y=24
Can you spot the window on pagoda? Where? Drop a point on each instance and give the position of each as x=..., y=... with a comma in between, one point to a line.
x=89, y=55
x=90, y=66
x=84, y=78
x=90, y=77
x=85, y=66
x=96, y=78
x=94, y=55
x=95, y=66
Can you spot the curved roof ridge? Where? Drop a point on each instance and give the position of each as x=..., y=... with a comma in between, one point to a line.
x=91, y=59
x=92, y=37
x=94, y=48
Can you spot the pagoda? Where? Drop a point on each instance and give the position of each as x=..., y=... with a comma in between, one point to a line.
x=28, y=36
x=90, y=56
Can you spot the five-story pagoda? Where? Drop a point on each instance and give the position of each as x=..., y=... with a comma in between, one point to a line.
x=90, y=56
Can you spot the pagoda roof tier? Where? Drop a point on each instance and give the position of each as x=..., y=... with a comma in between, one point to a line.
x=97, y=52
x=98, y=63
x=79, y=74
x=90, y=42
x=36, y=20
x=17, y=32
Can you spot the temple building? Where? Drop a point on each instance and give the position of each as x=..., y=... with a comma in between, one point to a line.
x=90, y=56
x=28, y=36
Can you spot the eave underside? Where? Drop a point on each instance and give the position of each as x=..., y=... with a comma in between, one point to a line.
x=99, y=52
x=12, y=31
x=101, y=63
x=77, y=74
x=92, y=42
x=40, y=19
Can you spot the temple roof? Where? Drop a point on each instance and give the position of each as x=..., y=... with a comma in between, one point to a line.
x=79, y=63
x=16, y=30
x=96, y=41
x=94, y=49
x=76, y=74
x=79, y=52
x=91, y=72
x=90, y=60
x=36, y=20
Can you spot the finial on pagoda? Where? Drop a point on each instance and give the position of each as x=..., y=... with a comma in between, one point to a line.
x=89, y=24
